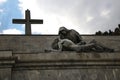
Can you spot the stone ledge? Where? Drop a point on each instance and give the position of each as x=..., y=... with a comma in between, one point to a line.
x=67, y=61
x=69, y=64
x=7, y=62
x=6, y=59
x=5, y=53
x=66, y=56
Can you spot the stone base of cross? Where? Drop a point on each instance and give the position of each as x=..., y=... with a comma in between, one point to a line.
x=27, y=21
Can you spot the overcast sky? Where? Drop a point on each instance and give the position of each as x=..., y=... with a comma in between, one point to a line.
x=85, y=16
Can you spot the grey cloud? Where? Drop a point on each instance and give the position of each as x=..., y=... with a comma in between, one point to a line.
x=77, y=10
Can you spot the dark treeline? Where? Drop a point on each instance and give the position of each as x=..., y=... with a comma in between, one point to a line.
x=110, y=32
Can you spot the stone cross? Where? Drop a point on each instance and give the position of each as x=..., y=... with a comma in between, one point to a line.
x=27, y=21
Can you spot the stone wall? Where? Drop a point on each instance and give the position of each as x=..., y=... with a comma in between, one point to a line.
x=36, y=44
x=23, y=58
x=67, y=66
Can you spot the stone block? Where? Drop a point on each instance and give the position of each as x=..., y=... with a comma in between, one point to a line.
x=5, y=53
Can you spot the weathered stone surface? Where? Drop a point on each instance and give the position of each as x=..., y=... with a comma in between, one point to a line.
x=6, y=63
x=25, y=44
x=67, y=56
x=61, y=66
x=6, y=59
x=5, y=53
x=73, y=74
x=36, y=44
x=66, y=60
x=5, y=74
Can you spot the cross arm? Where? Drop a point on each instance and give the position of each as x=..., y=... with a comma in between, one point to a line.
x=19, y=21
x=36, y=21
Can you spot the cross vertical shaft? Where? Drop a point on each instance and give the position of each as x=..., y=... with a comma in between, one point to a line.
x=28, y=25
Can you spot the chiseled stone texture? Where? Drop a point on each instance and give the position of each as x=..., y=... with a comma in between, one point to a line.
x=5, y=73
x=77, y=74
x=38, y=43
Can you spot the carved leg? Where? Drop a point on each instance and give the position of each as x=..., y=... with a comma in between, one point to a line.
x=85, y=48
x=98, y=47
